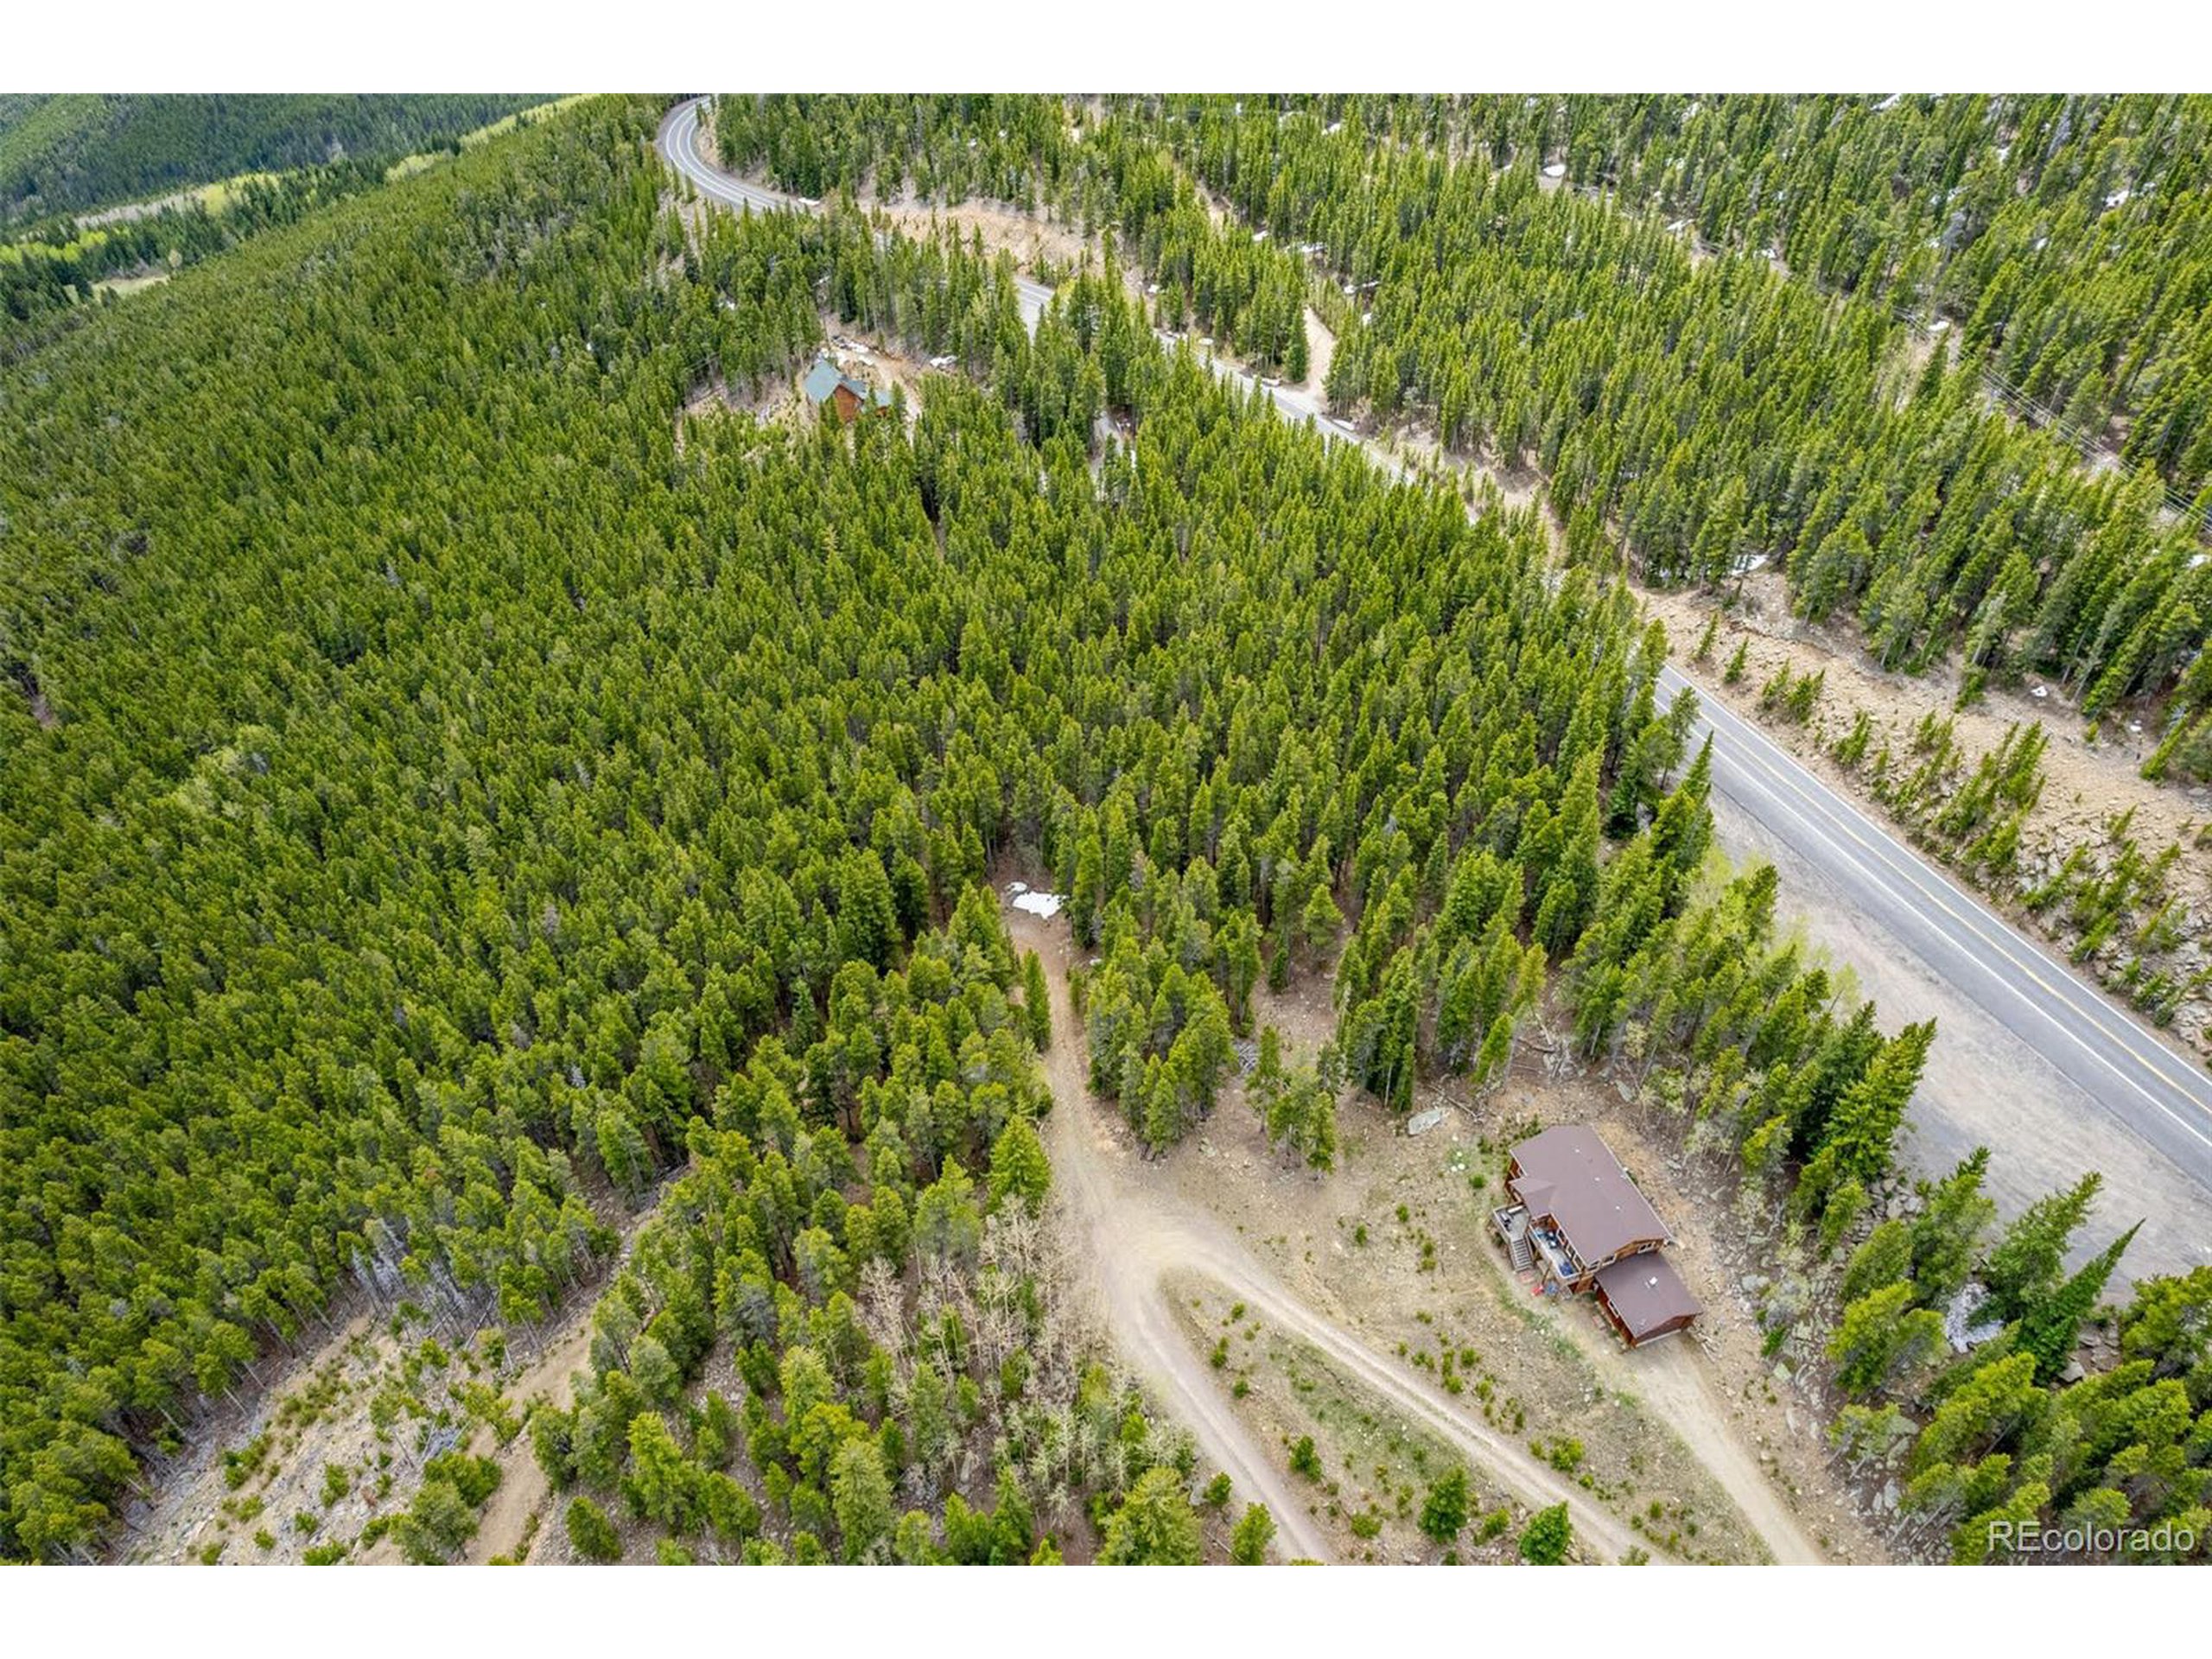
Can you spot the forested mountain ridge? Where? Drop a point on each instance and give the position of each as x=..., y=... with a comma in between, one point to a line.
x=54, y=264
x=437, y=804
x=68, y=153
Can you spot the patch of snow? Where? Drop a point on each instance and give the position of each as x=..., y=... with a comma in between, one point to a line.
x=1046, y=904
x=1556, y=170
x=1964, y=1325
x=2118, y=199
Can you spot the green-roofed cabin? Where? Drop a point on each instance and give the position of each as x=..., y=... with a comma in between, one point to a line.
x=827, y=387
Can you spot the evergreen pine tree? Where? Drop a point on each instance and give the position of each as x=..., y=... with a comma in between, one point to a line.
x=1036, y=1002
x=2049, y=1328
x=1255, y=1530
x=2024, y=1264
x=1865, y=1126
x=1947, y=1233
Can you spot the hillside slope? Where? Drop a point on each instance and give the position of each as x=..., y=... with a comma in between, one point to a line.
x=68, y=153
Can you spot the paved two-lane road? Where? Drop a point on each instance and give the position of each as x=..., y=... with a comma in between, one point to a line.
x=679, y=147
x=2032, y=1060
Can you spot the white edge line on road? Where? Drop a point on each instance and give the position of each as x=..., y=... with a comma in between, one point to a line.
x=2062, y=985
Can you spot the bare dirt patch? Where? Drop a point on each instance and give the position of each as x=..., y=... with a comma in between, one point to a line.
x=376, y=1401
x=1384, y=1270
x=1034, y=241
x=516, y=1514
x=1373, y=1467
x=1320, y=349
x=371, y=1405
x=135, y=282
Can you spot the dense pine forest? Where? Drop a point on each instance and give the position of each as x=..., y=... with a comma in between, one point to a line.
x=458, y=799
x=2065, y=235
x=1693, y=415
x=63, y=153
x=464, y=819
x=55, y=264
x=53, y=261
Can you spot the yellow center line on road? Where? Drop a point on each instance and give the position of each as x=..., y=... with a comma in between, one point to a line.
x=2064, y=989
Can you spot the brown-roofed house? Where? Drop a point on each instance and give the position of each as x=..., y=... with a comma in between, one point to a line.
x=1576, y=1189
x=1579, y=1222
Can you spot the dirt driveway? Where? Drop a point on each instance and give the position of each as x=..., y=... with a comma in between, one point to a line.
x=1131, y=1232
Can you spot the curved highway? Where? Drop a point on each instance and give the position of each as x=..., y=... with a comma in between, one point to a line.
x=2033, y=1060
